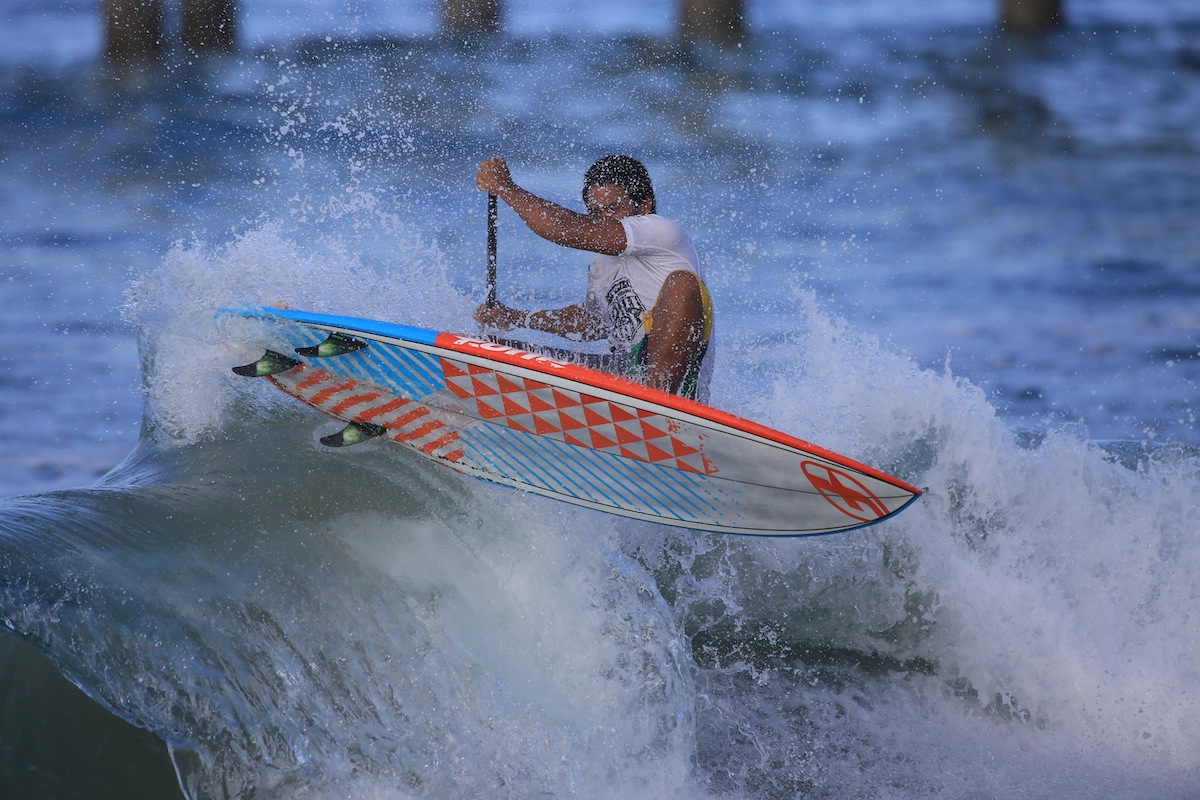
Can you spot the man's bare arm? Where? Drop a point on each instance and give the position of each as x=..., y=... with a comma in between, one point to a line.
x=548, y=219
x=570, y=322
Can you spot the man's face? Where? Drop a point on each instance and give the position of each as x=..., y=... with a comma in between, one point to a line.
x=610, y=202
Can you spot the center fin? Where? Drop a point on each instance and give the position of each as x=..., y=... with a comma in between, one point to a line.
x=337, y=344
x=353, y=433
x=269, y=364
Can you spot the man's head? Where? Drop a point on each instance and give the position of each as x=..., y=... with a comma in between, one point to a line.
x=624, y=173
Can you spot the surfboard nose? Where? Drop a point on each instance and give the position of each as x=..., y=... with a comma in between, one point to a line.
x=845, y=492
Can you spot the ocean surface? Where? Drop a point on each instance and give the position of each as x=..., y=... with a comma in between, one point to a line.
x=968, y=258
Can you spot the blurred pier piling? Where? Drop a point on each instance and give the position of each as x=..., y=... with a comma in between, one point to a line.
x=712, y=20
x=209, y=25
x=1021, y=16
x=471, y=16
x=135, y=30
x=717, y=20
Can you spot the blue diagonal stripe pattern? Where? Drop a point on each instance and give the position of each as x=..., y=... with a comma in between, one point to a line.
x=602, y=478
x=408, y=373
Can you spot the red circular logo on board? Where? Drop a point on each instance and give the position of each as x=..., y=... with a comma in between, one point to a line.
x=844, y=491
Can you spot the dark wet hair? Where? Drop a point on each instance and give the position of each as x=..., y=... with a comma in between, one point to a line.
x=628, y=173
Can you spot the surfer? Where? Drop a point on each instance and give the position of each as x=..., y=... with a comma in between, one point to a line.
x=645, y=293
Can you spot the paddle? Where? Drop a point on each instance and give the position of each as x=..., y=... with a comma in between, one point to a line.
x=491, y=251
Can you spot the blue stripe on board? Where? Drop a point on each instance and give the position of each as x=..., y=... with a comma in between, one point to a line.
x=415, y=374
x=509, y=460
x=491, y=452
x=589, y=475
x=677, y=493
x=569, y=480
x=612, y=467
x=680, y=489
x=410, y=373
x=689, y=485
x=298, y=336
x=655, y=488
x=564, y=460
x=502, y=441
x=592, y=470
x=392, y=329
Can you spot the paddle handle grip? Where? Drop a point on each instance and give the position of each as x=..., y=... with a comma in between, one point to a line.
x=491, y=250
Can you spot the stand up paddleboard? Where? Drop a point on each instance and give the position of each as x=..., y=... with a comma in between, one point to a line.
x=564, y=431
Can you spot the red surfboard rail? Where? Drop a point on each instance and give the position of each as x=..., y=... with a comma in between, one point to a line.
x=626, y=388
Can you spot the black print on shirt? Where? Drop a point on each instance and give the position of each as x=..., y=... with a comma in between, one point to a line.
x=625, y=310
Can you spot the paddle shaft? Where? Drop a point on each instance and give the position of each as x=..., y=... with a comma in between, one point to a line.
x=491, y=251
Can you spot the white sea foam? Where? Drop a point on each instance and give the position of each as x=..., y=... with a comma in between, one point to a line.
x=188, y=346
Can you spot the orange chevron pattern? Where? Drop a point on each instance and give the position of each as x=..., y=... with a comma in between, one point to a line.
x=578, y=419
x=406, y=421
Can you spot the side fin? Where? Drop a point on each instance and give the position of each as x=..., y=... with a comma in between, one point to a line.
x=338, y=344
x=269, y=364
x=353, y=433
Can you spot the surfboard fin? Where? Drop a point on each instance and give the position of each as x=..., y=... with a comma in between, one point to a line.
x=269, y=364
x=353, y=433
x=338, y=344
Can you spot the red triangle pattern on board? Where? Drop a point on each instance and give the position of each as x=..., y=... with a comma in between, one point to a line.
x=577, y=419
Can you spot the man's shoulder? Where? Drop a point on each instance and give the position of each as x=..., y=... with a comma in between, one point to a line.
x=646, y=229
x=652, y=221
